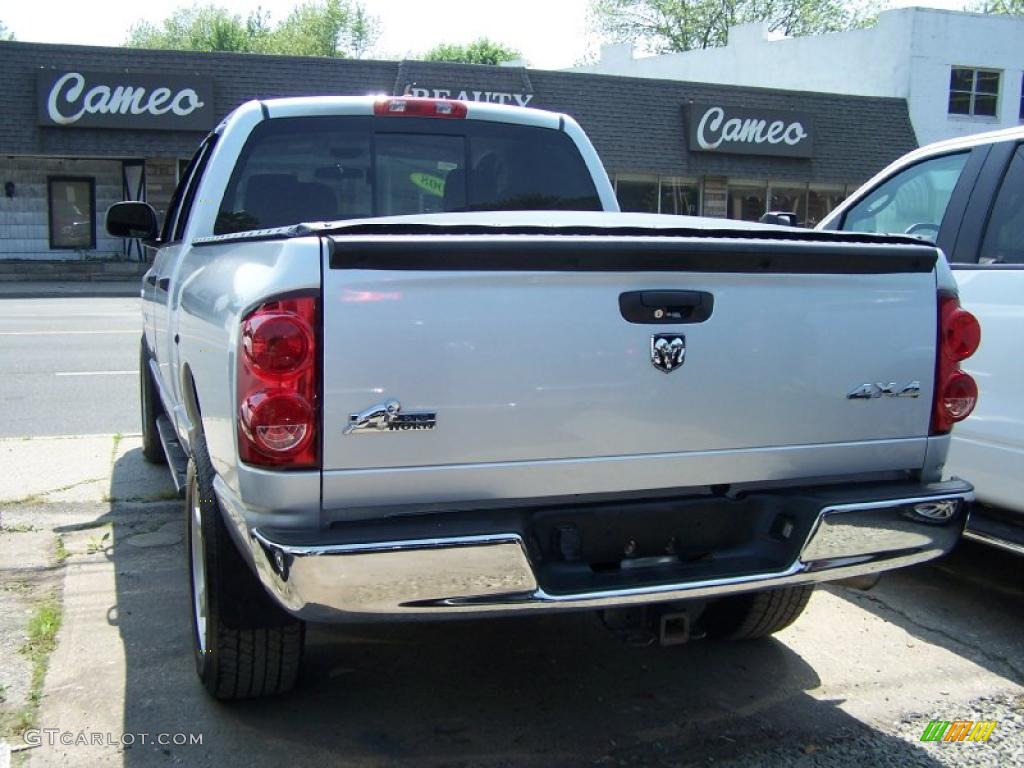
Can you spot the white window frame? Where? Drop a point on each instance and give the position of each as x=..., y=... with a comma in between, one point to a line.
x=973, y=93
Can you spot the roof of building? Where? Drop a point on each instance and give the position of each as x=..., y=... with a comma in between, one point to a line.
x=637, y=125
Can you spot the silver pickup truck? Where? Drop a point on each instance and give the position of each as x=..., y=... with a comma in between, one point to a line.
x=408, y=362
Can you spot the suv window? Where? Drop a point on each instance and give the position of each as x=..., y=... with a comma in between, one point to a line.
x=342, y=167
x=912, y=202
x=1004, y=238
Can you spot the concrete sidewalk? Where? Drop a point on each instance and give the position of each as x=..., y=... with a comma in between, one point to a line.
x=60, y=289
x=84, y=468
x=60, y=500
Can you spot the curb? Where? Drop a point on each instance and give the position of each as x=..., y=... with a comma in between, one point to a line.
x=69, y=290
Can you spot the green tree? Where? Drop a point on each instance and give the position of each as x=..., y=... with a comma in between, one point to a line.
x=328, y=28
x=4, y=34
x=668, y=26
x=480, y=51
x=199, y=28
x=1005, y=7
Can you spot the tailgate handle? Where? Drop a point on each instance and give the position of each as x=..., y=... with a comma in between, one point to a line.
x=666, y=307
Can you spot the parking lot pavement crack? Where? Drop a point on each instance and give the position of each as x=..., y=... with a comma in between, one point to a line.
x=988, y=655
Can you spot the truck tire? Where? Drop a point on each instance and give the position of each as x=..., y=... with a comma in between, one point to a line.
x=149, y=400
x=244, y=644
x=758, y=614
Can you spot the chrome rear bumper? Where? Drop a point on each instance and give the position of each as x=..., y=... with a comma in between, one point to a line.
x=488, y=574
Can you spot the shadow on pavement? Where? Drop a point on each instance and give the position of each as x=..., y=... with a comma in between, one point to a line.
x=970, y=602
x=538, y=691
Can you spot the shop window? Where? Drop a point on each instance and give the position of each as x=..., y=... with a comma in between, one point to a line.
x=913, y=202
x=821, y=201
x=973, y=92
x=637, y=196
x=789, y=199
x=746, y=202
x=72, y=203
x=680, y=198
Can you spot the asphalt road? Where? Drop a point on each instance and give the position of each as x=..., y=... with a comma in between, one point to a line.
x=69, y=366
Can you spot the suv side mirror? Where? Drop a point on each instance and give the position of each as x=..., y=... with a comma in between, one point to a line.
x=784, y=218
x=132, y=219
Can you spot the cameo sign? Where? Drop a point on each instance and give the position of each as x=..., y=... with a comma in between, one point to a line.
x=731, y=130
x=77, y=99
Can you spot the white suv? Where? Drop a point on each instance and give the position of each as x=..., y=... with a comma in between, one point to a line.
x=967, y=196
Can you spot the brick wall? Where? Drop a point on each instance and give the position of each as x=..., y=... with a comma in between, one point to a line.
x=24, y=218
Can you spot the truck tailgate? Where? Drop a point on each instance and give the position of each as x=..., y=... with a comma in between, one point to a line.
x=518, y=373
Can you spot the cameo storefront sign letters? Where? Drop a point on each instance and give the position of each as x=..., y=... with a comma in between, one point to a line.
x=716, y=128
x=71, y=98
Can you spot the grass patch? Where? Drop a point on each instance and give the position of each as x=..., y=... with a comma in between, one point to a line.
x=118, y=437
x=42, y=639
x=97, y=543
x=61, y=551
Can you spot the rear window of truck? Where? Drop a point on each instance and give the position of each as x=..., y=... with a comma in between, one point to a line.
x=300, y=169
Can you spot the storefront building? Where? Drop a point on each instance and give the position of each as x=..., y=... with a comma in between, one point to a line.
x=86, y=127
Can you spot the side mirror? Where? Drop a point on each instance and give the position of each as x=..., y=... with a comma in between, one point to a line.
x=783, y=218
x=132, y=219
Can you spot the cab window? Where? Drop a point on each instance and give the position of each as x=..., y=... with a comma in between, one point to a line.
x=309, y=169
x=913, y=202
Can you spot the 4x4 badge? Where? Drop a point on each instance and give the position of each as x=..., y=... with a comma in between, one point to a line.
x=668, y=351
x=388, y=417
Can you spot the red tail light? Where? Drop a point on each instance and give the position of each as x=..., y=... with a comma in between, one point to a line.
x=409, y=106
x=956, y=393
x=278, y=385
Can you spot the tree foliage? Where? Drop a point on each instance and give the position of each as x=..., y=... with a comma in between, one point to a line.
x=1003, y=7
x=331, y=28
x=4, y=33
x=668, y=26
x=340, y=28
x=480, y=51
